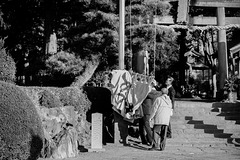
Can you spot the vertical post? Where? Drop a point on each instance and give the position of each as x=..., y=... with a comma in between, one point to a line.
x=183, y=7
x=121, y=33
x=182, y=59
x=238, y=64
x=96, y=136
x=222, y=50
x=116, y=133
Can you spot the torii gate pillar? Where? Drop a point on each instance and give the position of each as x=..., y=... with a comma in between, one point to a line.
x=222, y=50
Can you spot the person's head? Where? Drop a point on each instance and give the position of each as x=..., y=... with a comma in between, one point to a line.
x=164, y=91
x=169, y=81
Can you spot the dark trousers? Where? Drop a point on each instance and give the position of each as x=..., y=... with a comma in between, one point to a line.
x=159, y=136
x=169, y=131
x=122, y=126
x=145, y=129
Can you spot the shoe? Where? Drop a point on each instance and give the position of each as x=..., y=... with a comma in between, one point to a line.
x=169, y=136
x=153, y=149
x=146, y=143
x=121, y=141
x=126, y=144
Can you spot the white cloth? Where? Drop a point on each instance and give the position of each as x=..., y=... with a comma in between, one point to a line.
x=162, y=108
x=125, y=88
x=120, y=87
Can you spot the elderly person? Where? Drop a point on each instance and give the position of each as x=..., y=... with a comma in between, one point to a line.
x=161, y=114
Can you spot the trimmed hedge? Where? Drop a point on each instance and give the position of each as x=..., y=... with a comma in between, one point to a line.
x=72, y=96
x=21, y=133
x=51, y=97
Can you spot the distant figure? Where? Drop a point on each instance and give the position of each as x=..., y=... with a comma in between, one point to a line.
x=162, y=109
x=147, y=106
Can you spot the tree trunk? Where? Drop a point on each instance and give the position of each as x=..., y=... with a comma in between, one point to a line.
x=87, y=74
x=182, y=59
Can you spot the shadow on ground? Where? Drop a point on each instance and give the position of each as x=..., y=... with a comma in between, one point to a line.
x=213, y=129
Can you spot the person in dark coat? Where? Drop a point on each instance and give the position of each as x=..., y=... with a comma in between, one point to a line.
x=144, y=125
x=171, y=94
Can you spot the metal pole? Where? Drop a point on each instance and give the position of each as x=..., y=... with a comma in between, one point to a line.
x=222, y=48
x=121, y=33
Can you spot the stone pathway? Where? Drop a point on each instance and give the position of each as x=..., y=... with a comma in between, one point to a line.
x=201, y=130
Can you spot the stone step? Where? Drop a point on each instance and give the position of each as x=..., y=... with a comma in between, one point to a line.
x=223, y=114
x=231, y=130
x=198, y=140
x=230, y=127
x=225, y=105
x=205, y=124
x=232, y=117
x=200, y=144
x=192, y=136
x=177, y=122
x=227, y=110
x=194, y=111
x=217, y=133
x=199, y=114
x=203, y=134
x=235, y=135
x=207, y=140
x=212, y=121
x=183, y=126
x=219, y=121
x=202, y=131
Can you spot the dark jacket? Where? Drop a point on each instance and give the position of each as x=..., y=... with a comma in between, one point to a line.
x=171, y=94
x=148, y=102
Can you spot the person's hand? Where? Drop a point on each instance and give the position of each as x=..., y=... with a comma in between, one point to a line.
x=171, y=112
x=133, y=111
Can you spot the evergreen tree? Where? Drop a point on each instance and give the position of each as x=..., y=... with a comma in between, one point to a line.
x=7, y=65
x=142, y=35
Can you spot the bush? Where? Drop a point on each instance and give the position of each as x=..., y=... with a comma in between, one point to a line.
x=47, y=99
x=52, y=97
x=71, y=96
x=7, y=65
x=21, y=133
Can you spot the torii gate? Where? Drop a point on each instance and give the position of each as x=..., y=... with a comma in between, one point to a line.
x=220, y=20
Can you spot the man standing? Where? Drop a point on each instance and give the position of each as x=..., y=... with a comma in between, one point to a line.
x=160, y=116
x=171, y=94
x=144, y=125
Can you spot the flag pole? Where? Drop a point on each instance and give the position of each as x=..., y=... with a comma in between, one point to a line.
x=121, y=33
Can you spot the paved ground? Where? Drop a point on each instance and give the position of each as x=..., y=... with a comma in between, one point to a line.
x=188, y=143
x=138, y=151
